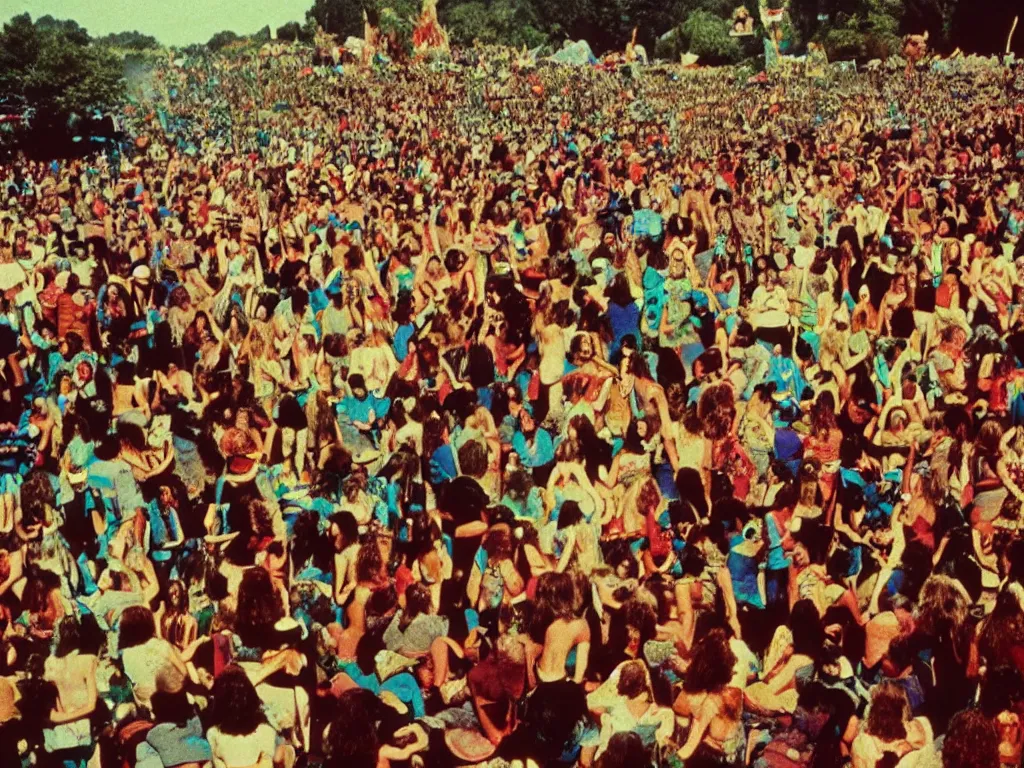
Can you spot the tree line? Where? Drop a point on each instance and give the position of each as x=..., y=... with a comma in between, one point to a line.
x=53, y=69
x=848, y=29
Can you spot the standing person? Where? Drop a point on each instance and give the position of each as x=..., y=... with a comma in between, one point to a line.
x=73, y=671
x=553, y=348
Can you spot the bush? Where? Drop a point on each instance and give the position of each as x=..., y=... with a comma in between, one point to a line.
x=707, y=36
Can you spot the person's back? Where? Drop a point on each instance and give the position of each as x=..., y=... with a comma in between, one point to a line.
x=559, y=640
x=551, y=345
x=242, y=751
x=146, y=663
x=71, y=675
x=721, y=711
x=726, y=721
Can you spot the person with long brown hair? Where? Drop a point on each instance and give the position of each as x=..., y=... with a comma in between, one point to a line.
x=889, y=728
x=714, y=708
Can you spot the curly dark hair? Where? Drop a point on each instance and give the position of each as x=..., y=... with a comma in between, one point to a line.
x=69, y=636
x=473, y=459
x=259, y=606
x=633, y=680
x=624, y=749
x=369, y=561
x=135, y=627
x=642, y=617
x=888, y=713
x=36, y=495
x=716, y=410
x=354, y=738
x=972, y=741
x=711, y=667
x=236, y=709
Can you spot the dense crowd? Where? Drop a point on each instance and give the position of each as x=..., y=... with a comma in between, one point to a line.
x=488, y=413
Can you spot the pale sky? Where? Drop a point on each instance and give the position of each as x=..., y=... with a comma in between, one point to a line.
x=172, y=22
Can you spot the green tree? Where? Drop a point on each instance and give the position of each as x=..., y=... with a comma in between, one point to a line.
x=133, y=41
x=293, y=30
x=73, y=32
x=262, y=36
x=396, y=19
x=597, y=22
x=707, y=35
x=866, y=29
x=222, y=39
x=338, y=17
x=52, y=68
x=934, y=16
x=512, y=22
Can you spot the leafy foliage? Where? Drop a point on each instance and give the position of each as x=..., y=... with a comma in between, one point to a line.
x=707, y=36
x=861, y=29
x=848, y=28
x=53, y=68
x=338, y=17
x=295, y=31
x=132, y=41
x=222, y=40
x=262, y=36
x=935, y=16
x=499, y=21
x=72, y=31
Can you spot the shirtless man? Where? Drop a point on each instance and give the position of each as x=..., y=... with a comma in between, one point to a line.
x=74, y=675
x=562, y=636
x=567, y=631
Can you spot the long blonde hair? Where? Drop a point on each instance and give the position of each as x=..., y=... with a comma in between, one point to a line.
x=942, y=610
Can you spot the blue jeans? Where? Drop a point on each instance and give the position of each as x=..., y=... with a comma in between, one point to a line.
x=666, y=481
x=776, y=586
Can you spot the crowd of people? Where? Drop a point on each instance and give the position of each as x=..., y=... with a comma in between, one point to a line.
x=514, y=416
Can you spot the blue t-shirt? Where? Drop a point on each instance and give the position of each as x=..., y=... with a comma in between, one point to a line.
x=625, y=321
x=647, y=223
x=536, y=452
x=400, y=344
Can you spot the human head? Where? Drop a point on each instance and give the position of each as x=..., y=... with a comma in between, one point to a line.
x=352, y=740
x=889, y=712
x=625, y=750
x=344, y=529
x=236, y=709
x=711, y=665
x=135, y=627
x=633, y=681
x=69, y=636
x=972, y=741
x=417, y=600
x=358, y=386
x=259, y=604
x=369, y=562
